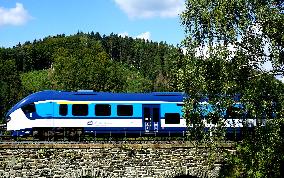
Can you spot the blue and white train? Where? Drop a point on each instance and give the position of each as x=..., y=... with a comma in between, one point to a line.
x=101, y=112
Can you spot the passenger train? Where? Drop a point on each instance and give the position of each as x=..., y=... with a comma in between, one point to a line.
x=100, y=112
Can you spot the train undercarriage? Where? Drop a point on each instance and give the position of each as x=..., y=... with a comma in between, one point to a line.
x=80, y=135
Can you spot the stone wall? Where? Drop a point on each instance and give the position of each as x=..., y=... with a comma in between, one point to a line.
x=114, y=161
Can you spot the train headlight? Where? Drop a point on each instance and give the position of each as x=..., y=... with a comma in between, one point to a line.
x=8, y=119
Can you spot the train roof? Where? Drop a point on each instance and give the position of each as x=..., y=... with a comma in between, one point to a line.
x=87, y=95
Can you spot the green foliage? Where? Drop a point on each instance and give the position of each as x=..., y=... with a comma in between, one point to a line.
x=246, y=24
x=10, y=86
x=86, y=70
x=153, y=60
x=86, y=61
x=255, y=30
x=135, y=82
x=96, y=71
x=37, y=80
x=259, y=156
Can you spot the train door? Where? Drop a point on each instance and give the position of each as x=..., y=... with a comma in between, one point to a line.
x=151, y=118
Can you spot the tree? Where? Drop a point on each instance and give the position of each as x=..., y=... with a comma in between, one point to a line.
x=226, y=42
x=37, y=80
x=10, y=86
x=86, y=68
x=247, y=24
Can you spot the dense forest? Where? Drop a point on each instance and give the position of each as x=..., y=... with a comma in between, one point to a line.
x=87, y=61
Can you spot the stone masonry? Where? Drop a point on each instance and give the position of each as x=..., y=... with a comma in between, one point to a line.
x=121, y=160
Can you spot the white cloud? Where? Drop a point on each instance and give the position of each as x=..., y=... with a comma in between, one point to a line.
x=145, y=36
x=14, y=16
x=151, y=8
x=124, y=34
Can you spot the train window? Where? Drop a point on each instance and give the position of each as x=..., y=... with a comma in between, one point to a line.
x=79, y=109
x=156, y=114
x=63, y=109
x=124, y=110
x=102, y=110
x=172, y=118
x=234, y=112
x=180, y=105
x=30, y=108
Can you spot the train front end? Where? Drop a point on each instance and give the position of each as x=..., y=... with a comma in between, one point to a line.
x=19, y=119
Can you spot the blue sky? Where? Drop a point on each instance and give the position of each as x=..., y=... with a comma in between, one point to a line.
x=26, y=20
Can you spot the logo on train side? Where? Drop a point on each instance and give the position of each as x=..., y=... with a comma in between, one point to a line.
x=90, y=123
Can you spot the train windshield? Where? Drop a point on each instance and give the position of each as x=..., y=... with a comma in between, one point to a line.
x=30, y=108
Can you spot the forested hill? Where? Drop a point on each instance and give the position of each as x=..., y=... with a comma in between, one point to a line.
x=87, y=61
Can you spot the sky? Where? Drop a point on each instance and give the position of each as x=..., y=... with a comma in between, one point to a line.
x=27, y=20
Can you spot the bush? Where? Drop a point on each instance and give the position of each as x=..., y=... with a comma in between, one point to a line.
x=259, y=156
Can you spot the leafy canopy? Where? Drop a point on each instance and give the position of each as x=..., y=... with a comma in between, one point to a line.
x=226, y=42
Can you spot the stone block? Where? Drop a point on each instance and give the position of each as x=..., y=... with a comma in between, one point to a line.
x=18, y=166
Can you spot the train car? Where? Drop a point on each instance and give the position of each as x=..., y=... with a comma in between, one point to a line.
x=95, y=113
x=98, y=112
